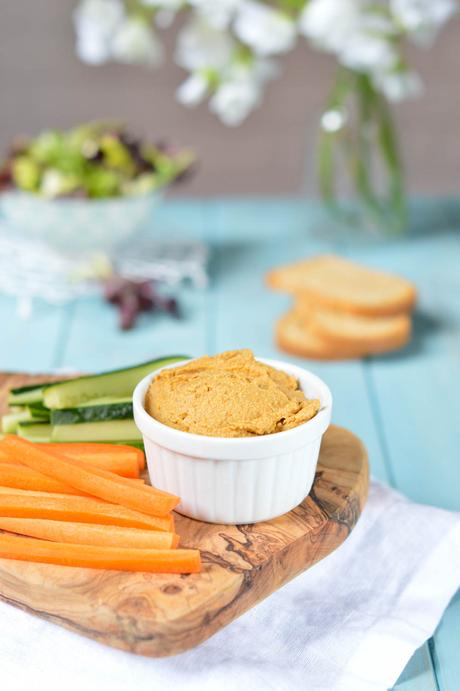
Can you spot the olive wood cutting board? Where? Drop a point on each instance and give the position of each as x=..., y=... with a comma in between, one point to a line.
x=162, y=614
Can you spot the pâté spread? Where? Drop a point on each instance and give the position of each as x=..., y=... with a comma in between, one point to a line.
x=228, y=395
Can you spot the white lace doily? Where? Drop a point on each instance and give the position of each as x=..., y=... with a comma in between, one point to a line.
x=31, y=269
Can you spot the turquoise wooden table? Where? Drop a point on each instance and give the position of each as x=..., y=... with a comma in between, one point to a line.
x=404, y=406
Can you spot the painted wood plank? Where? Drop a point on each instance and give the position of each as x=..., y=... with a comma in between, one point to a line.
x=31, y=343
x=244, y=313
x=446, y=648
x=418, y=388
x=94, y=341
x=420, y=430
x=375, y=399
x=419, y=674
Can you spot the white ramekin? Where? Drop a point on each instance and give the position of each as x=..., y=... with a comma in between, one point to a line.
x=236, y=480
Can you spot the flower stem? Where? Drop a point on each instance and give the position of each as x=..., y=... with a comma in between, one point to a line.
x=365, y=136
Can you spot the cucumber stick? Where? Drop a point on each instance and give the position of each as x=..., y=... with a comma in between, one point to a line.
x=42, y=433
x=10, y=421
x=27, y=395
x=110, y=431
x=34, y=431
x=116, y=384
x=94, y=411
x=37, y=409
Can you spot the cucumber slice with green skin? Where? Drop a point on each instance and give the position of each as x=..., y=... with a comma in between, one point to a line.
x=34, y=431
x=10, y=421
x=17, y=408
x=121, y=409
x=38, y=413
x=25, y=395
x=110, y=431
x=116, y=384
x=41, y=433
x=37, y=407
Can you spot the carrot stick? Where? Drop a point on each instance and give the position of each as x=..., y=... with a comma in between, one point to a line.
x=89, y=534
x=91, y=556
x=97, y=453
x=140, y=458
x=108, y=475
x=91, y=448
x=67, y=507
x=106, y=458
x=22, y=477
x=129, y=481
x=146, y=499
x=126, y=467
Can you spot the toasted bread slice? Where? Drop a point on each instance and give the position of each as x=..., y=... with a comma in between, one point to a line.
x=373, y=334
x=340, y=284
x=294, y=336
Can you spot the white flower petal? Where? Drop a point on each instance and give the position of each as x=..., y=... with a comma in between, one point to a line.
x=264, y=29
x=192, y=91
x=136, y=43
x=423, y=16
x=398, y=86
x=202, y=46
x=353, y=30
x=217, y=13
x=330, y=23
x=368, y=53
x=333, y=120
x=95, y=21
x=91, y=49
x=233, y=101
x=240, y=91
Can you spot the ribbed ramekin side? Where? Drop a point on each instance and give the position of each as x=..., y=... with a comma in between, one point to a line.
x=234, y=491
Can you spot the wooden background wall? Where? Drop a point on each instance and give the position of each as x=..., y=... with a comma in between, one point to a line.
x=43, y=84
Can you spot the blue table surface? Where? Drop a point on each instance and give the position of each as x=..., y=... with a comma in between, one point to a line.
x=404, y=405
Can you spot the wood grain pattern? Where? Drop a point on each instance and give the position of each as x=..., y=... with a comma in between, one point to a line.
x=160, y=615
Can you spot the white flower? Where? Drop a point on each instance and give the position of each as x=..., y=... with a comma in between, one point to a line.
x=398, y=86
x=233, y=101
x=193, y=90
x=333, y=120
x=351, y=29
x=95, y=22
x=368, y=54
x=330, y=23
x=217, y=13
x=135, y=43
x=202, y=46
x=264, y=29
x=423, y=18
x=241, y=90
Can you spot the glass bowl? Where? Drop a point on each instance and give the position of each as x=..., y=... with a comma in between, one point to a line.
x=78, y=224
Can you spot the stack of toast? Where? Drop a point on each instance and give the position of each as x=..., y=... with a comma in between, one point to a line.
x=342, y=310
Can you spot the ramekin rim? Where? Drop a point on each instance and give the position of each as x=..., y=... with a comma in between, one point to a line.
x=235, y=442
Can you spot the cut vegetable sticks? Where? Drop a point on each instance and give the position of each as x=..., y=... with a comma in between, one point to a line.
x=118, y=558
x=67, y=507
x=108, y=475
x=21, y=477
x=107, y=457
x=97, y=453
x=146, y=499
x=88, y=534
x=129, y=481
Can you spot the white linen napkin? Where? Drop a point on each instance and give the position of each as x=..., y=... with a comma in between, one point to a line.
x=350, y=623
